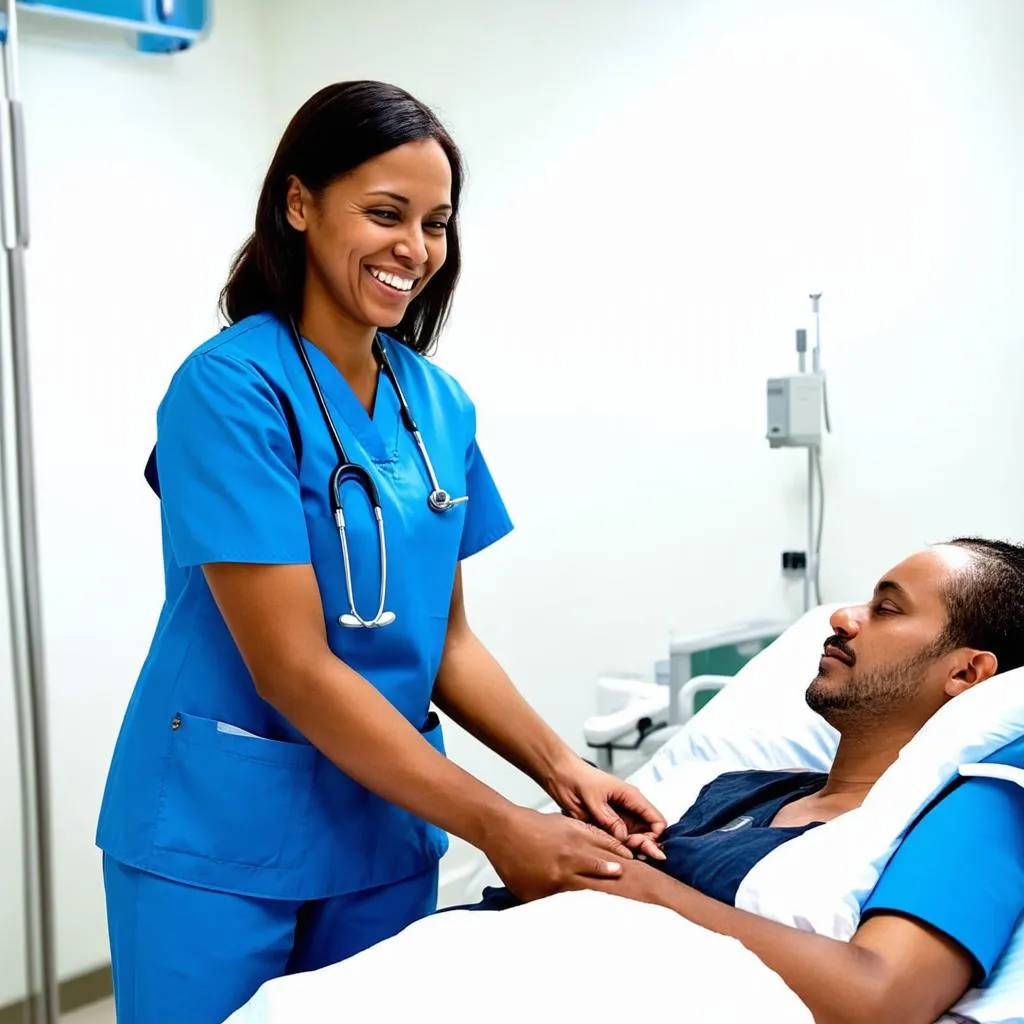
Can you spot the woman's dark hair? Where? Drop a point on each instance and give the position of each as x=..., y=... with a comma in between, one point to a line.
x=335, y=131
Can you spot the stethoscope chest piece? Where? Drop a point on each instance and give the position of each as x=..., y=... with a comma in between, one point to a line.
x=442, y=501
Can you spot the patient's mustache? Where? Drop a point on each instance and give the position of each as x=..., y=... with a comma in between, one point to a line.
x=840, y=645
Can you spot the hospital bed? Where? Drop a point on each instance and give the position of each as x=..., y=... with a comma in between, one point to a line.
x=538, y=961
x=635, y=716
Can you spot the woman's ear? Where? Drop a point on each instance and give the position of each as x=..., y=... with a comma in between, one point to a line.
x=974, y=667
x=298, y=203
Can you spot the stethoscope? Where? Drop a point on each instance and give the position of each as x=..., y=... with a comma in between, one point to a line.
x=438, y=500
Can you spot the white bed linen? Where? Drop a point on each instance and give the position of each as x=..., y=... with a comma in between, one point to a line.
x=573, y=957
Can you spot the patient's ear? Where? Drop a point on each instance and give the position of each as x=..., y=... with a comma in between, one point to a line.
x=975, y=667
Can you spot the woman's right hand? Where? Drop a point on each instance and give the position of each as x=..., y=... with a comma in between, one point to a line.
x=538, y=854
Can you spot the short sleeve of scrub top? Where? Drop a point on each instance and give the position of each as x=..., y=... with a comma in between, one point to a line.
x=227, y=465
x=961, y=869
x=487, y=520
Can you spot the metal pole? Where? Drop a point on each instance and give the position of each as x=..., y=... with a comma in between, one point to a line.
x=18, y=511
x=809, y=564
x=816, y=309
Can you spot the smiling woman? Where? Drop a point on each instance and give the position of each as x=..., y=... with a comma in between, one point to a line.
x=374, y=238
x=279, y=796
x=357, y=155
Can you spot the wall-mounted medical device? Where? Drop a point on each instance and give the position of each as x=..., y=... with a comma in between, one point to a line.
x=795, y=410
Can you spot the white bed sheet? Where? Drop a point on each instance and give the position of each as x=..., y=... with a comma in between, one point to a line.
x=572, y=957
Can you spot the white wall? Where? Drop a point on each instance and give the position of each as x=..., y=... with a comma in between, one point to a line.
x=655, y=188
x=143, y=175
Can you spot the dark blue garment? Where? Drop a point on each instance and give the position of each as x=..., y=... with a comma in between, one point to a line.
x=722, y=836
x=728, y=829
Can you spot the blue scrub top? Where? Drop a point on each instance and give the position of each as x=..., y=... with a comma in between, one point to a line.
x=209, y=784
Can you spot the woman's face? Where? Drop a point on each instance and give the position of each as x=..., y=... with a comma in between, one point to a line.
x=375, y=237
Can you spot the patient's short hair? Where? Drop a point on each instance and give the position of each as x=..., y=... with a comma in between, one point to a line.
x=985, y=601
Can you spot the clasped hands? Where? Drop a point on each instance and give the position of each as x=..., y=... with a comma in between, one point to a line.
x=606, y=823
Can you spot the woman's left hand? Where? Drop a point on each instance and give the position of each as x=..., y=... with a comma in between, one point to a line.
x=589, y=794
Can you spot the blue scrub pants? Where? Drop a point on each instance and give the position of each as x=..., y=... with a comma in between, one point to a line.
x=183, y=955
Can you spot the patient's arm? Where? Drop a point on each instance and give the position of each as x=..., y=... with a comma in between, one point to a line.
x=894, y=969
x=945, y=907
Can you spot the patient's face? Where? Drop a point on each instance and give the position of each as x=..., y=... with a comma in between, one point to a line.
x=888, y=655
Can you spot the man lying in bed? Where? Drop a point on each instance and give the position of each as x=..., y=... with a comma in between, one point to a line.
x=939, y=623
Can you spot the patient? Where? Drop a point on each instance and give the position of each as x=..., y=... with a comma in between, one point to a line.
x=944, y=620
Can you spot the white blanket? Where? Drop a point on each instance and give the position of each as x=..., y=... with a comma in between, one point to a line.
x=571, y=954
x=576, y=956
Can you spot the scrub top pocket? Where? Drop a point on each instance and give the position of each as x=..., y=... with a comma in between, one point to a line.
x=233, y=797
x=433, y=733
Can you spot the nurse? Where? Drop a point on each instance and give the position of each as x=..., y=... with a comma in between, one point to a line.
x=279, y=796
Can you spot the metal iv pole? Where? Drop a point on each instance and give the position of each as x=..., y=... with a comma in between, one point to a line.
x=20, y=544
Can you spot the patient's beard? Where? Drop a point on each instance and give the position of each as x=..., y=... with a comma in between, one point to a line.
x=875, y=693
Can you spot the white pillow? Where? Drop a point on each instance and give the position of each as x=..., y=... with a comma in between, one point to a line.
x=820, y=880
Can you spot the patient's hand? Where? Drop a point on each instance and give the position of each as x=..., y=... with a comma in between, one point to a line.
x=589, y=794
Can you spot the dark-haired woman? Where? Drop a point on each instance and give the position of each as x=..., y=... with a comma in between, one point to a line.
x=279, y=796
